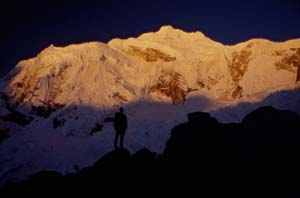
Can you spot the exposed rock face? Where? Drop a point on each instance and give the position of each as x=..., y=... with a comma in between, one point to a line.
x=290, y=61
x=239, y=64
x=170, y=84
x=46, y=110
x=237, y=92
x=150, y=54
x=238, y=67
x=120, y=97
x=17, y=117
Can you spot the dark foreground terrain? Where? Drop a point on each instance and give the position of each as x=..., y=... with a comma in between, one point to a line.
x=258, y=157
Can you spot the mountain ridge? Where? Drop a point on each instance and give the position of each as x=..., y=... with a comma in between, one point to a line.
x=64, y=93
x=123, y=52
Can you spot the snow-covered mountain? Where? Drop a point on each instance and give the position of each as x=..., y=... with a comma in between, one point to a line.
x=158, y=77
x=167, y=65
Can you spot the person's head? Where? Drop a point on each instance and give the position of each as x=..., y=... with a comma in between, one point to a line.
x=121, y=110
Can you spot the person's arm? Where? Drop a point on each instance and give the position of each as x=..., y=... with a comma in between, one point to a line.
x=110, y=119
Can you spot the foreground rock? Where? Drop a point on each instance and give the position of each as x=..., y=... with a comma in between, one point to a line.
x=262, y=151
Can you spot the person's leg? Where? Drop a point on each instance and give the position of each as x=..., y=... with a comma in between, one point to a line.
x=122, y=138
x=116, y=139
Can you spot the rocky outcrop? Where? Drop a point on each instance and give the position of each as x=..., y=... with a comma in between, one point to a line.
x=46, y=110
x=237, y=92
x=119, y=97
x=266, y=134
x=58, y=123
x=27, y=90
x=237, y=68
x=22, y=90
x=150, y=54
x=239, y=64
x=97, y=128
x=290, y=61
x=17, y=117
x=169, y=83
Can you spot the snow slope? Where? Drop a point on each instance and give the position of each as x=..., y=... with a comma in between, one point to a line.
x=158, y=77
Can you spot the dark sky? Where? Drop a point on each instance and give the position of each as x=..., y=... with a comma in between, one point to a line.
x=29, y=26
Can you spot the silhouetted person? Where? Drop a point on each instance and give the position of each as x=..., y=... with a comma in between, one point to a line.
x=120, y=125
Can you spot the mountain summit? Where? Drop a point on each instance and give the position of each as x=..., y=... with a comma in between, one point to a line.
x=168, y=65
